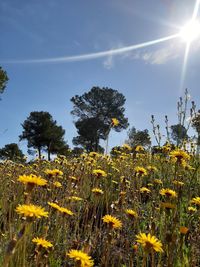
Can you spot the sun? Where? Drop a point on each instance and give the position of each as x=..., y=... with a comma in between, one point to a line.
x=190, y=31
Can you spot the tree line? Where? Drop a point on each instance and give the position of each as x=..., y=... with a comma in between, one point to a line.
x=93, y=113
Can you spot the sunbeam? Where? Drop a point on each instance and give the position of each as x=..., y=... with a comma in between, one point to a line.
x=191, y=36
x=185, y=59
x=92, y=55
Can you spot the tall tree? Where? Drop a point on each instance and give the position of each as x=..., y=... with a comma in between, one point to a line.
x=178, y=133
x=12, y=152
x=3, y=80
x=138, y=138
x=95, y=110
x=42, y=133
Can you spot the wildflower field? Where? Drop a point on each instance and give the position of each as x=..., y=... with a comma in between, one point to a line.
x=136, y=208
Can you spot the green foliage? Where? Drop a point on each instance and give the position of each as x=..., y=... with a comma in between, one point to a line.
x=42, y=133
x=3, y=80
x=76, y=151
x=178, y=133
x=88, y=134
x=63, y=150
x=94, y=111
x=54, y=262
x=138, y=138
x=12, y=152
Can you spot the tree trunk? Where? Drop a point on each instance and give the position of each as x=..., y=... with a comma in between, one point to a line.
x=96, y=144
x=39, y=152
x=49, y=151
x=198, y=144
x=49, y=155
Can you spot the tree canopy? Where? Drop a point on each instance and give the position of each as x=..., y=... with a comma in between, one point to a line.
x=95, y=110
x=12, y=152
x=3, y=80
x=42, y=133
x=138, y=138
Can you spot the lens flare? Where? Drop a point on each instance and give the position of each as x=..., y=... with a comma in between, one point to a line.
x=190, y=31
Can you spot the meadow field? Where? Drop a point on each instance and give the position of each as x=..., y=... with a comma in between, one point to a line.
x=136, y=208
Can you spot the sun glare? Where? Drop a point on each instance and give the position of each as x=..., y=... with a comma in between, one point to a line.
x=190, y=31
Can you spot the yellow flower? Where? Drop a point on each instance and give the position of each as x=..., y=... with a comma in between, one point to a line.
x=157, y=181
x=57, y=184
x=167, y=205
x=53, y=205
x=93, y=154
x=178, y=183
x=166, y=148
x=32, y=180
x=99, y=173
x=149, y=242
x=196, y=200
x=140, y=156
x=183, y=230
x=31, y=211
x=127, y=147
x=140, y=171
x=168, y=192
x=115, y=121
x=42, y=242
x=112, y=221
x=179, y=155
x=139, y=148
x=152, y=168
x=144, y=190
x=131, y=213
x=66, y=211
x=97, y=191
x=184, y=163
x=135, y=248
x=81, y=257
x=122, y=193
x=54, y=172
x=189, y=168
x=61, y=209
x=73, y=178
x=192, y=209
x=75, y=198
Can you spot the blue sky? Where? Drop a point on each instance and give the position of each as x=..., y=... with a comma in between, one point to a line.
x=150, y=78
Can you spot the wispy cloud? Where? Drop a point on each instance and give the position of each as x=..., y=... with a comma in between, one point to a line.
x=108, y=63
x=161, y=56
x=164, y=55
x=155, y=57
